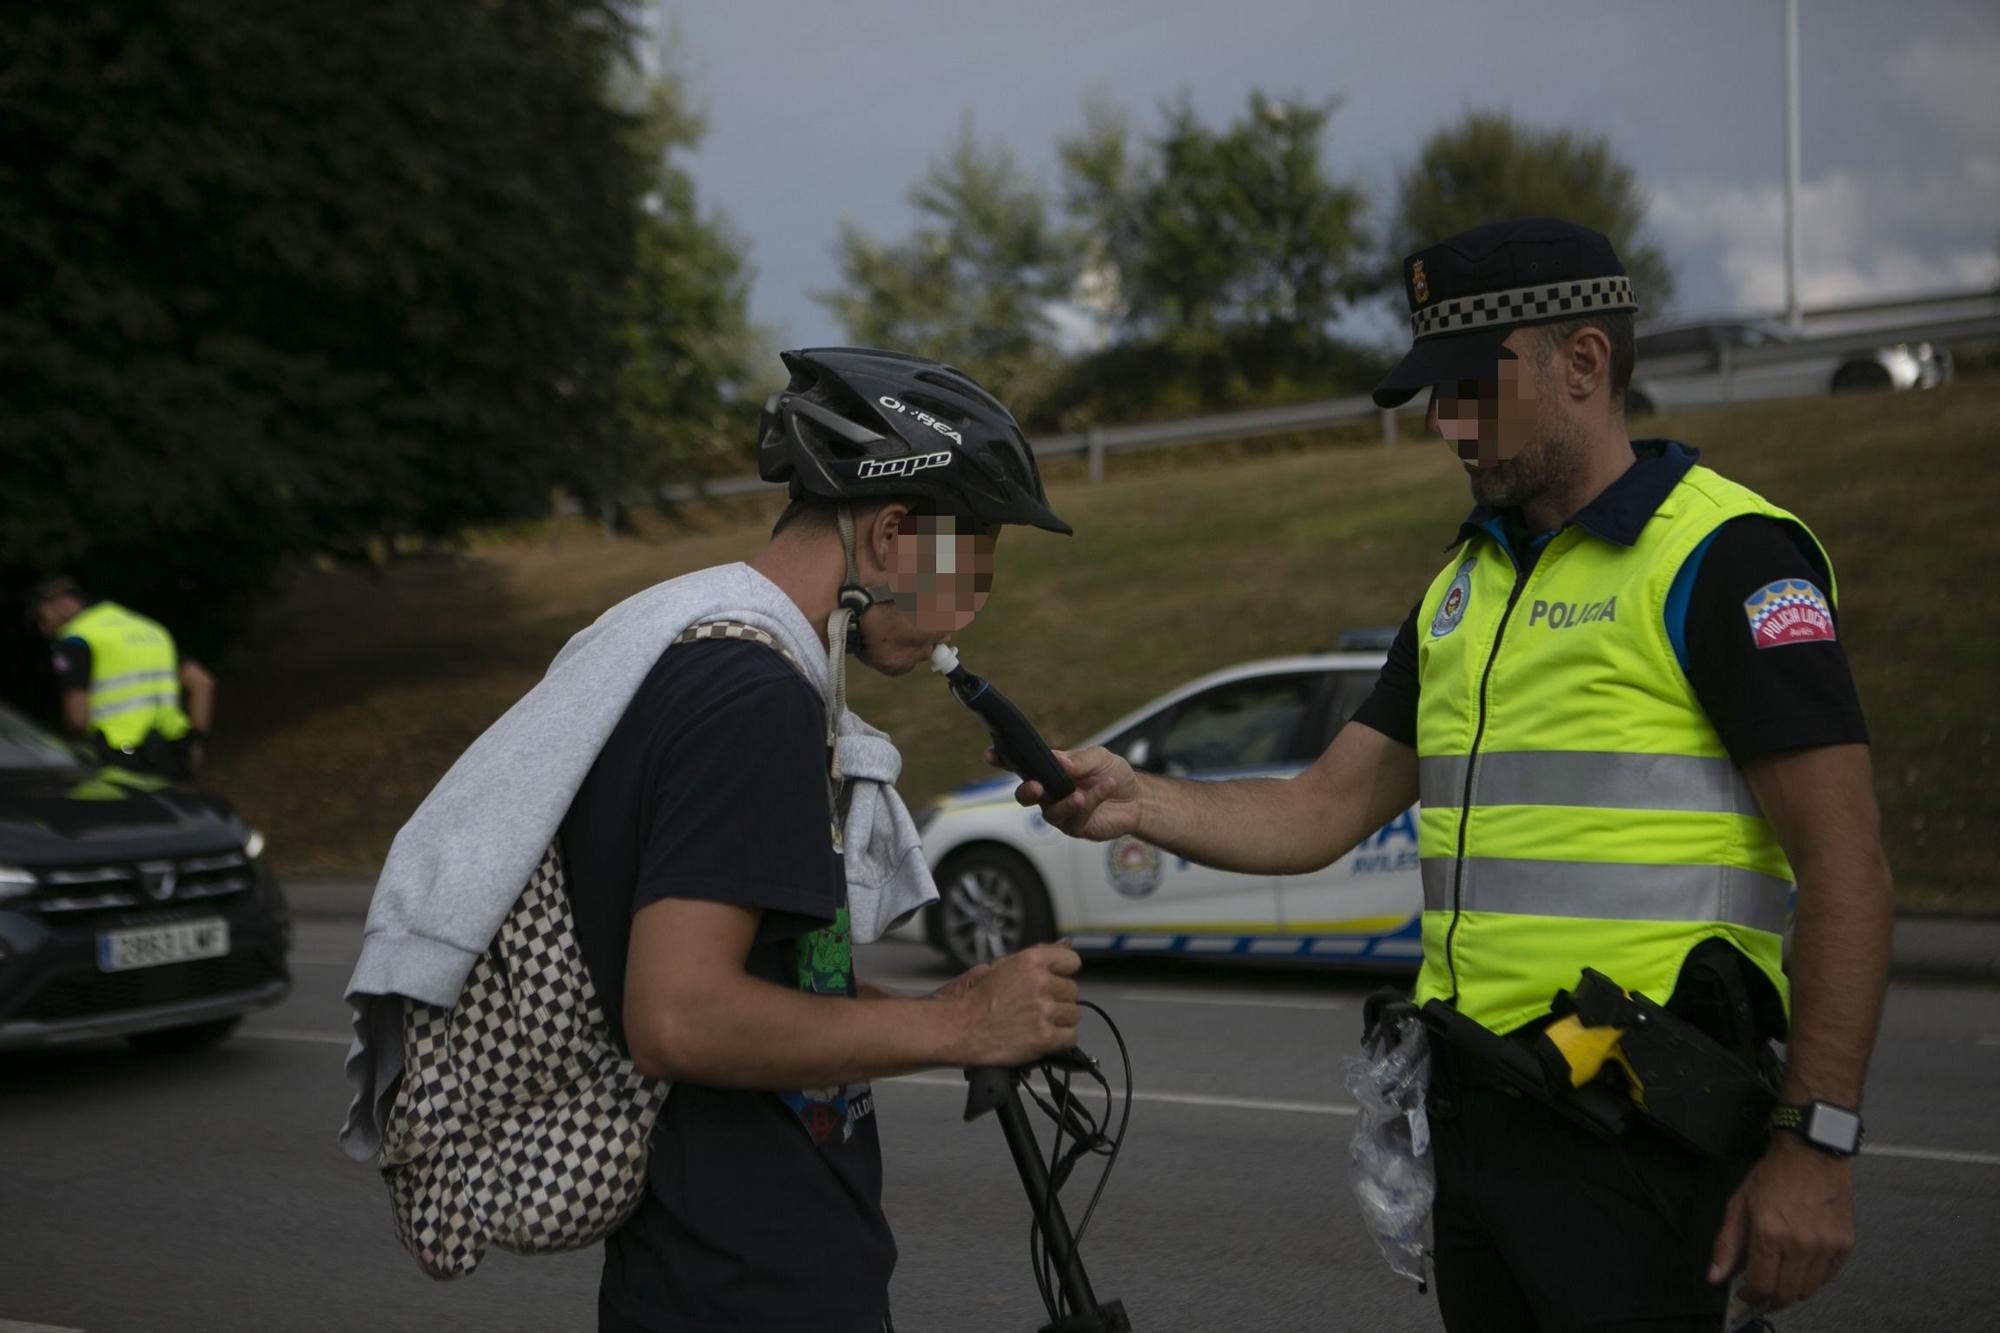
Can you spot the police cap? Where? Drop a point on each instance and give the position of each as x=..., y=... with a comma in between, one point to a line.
x=1468, y=291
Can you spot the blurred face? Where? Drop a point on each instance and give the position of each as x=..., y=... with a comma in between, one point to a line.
x=54, y=613
x=1506, y=428
x=940, y=569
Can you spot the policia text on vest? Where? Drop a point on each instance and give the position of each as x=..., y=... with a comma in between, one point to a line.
x=1624, y=706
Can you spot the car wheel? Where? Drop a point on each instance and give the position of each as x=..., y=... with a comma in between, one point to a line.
x=1637, y=404
x=991, y=903
x=184, y=1041
x=1861, y=377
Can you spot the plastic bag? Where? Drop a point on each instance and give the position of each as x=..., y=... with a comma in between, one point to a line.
x=1389, y=1161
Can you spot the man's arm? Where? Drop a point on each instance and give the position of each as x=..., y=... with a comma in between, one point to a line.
x=868, y=990
x=198, y=694
x=693, y=1013
x=76, y=712
x=1795, y=1211
x=1259, y=826
x=1821, y=803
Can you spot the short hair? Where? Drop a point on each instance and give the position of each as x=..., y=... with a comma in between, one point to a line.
x=817, y=512
x=1616, y=326
x=61, y=585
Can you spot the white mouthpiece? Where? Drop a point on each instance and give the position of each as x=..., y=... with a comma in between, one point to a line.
x=944, y=659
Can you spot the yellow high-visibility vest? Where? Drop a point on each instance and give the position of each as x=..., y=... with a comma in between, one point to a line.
x=1579, y=809
x=134, y=675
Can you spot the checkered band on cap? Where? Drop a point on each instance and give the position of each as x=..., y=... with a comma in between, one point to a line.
x=1461, y=314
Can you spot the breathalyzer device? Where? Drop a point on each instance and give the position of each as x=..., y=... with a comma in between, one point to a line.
x=1015, y=739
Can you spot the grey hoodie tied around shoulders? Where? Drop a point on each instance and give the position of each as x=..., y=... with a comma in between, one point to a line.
x=459, y=864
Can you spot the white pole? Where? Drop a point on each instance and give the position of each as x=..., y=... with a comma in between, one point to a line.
x=1793, y=316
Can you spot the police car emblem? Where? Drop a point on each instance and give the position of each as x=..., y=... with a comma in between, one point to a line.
x=1134, y=866
x=1452, y=609
x=1788, y=611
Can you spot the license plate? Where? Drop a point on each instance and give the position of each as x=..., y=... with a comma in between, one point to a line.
x=153, y=946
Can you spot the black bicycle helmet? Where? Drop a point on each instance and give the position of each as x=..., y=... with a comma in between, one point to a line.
x=856, y=423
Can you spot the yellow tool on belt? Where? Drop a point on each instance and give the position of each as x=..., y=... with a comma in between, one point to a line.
x=1588, y=1037
x=1681, y=1078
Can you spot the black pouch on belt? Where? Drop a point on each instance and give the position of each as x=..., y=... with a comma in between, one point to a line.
x=1692, y=1087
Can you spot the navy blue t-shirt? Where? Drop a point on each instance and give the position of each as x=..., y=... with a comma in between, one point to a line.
x=764, y=1209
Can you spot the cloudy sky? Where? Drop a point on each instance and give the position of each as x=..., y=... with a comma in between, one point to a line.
x=819, y=111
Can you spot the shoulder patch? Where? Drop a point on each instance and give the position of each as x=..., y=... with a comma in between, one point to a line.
x=1452, y=609
x=1788, y=611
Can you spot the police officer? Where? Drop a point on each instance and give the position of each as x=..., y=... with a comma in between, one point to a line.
x=126, y=691
x=1625, y=704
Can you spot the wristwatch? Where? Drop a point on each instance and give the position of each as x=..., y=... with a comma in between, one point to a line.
x=1829, y=1128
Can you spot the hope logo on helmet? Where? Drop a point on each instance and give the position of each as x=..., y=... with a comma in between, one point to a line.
x=901, y=467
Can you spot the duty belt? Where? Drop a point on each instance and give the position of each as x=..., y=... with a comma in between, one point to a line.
x=1608, y=1056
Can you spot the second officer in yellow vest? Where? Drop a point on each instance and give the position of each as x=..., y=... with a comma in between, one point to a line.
x=126, y=689
x=1625, y=705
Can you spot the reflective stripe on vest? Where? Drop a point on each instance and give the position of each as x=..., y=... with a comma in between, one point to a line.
x=109, y=683
x=1579, y=809
x=1609, y=890
x=1592, y=778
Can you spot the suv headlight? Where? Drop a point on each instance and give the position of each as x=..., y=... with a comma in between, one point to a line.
x=15, y=882
x=253, y=846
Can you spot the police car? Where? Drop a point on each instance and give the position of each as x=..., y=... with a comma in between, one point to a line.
x=1007, y=879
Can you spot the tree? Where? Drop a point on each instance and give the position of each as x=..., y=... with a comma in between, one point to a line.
x=1220, y=257
x=285, y=279
x=1205, y=234
x=1488, y=167
x=973, y=282
x=688, y=351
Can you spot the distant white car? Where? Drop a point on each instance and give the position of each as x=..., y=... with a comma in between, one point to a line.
x=1684, y=366
x=1006, y=879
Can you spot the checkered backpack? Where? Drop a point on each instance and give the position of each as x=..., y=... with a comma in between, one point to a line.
x=518, y=1122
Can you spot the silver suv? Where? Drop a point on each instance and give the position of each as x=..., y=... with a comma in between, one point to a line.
x=1730, y=361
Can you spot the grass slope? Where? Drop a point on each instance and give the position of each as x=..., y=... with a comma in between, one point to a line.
x=356, y=692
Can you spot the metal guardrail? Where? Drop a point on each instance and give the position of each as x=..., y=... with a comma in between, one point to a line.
x=1951, y=317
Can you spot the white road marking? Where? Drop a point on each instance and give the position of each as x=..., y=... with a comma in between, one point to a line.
x=1175, y=1098
x=291, y=1034
x=12, y=1326
x=1966, y=1157
x=1227, y=1001
x=1987, y=1041
x=1931, y=1154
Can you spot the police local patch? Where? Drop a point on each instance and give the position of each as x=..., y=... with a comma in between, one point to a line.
x=1788, y=611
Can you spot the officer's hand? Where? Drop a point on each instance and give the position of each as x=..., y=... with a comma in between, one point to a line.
x=1105, y=803
x=1021, y=1009
x=1794, y=1215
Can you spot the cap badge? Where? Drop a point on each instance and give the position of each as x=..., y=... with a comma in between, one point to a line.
x=1420, y=286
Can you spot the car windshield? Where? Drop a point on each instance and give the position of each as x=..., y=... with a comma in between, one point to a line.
x=23, y=745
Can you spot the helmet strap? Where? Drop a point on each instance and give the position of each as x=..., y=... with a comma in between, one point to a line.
x=843, y=631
